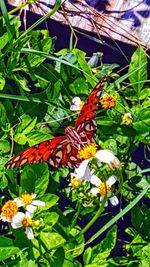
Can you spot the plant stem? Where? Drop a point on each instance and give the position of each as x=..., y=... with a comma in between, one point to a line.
x=77, y=214
x=93, y=220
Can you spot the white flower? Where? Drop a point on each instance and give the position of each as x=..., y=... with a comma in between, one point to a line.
x=76, y=104
x=28, y=201
x=107, y=156
x=83, y=172
x=104, y=189
x=9, y=210
x=23, y=220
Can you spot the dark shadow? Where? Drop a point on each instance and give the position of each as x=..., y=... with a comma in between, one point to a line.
x=99, y=5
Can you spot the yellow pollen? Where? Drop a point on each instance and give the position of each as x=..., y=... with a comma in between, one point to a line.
x=81, y=105
x=27, y=222
x=26, y=199
x=108, y=101
x=88, y=151
x=104, y=189
x=9, y=209
x=75, y=182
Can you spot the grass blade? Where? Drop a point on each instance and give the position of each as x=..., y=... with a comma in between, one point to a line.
x=118, y=216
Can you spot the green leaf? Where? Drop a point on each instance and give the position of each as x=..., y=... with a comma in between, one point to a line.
x=80, y=56
x=101, y=251
x=2, y=115
x=4, y=146
x=145, y=93
x=105, y=121
x=87, y=255
x=142, y=120
x=79, y=86
x=35, y=137
x=2, y=82
x=47, y=73
x=22, y=82
x=50, y=219
x=139, y=77
x=58, y=258
x=35, y=179
x=26, y=125
x=4, y=40
x=41, y=179
x=20, y=138
x=50, y=200
x=7, y=249
x=52, y=240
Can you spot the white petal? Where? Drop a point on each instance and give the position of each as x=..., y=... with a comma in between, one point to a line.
x=94, y=191
x=114, y=201
x=29, y=233
x=34, y=196
x=95, y=180
x=38, y=203
x=105, y=155
x=17, y=220
x=29, y=214
x=76, y=102
x=31, y=208
x=4, y=219
x=18, y=217
x=16, y=225
x=83, y=171
x=19, y=202
x=111, y=180
x=108, y=157
x=74, y=108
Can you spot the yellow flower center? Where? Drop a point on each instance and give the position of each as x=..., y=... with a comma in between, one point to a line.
x=127, y=118
x=75, y=182
x=9, y=209
x=104, y=189
x=27, y=222
x=108, y=101
x=26, y=199
x=88, y=151
x=81, y=105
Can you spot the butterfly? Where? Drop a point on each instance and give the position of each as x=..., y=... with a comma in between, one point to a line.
x=62, y=151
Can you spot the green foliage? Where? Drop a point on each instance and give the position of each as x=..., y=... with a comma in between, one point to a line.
x=36, y=89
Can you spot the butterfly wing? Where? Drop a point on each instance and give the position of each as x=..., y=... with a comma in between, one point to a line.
x=58, y=152
x=86, y=124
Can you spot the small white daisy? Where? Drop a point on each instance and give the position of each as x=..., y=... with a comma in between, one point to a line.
x=23, y=220
x=28, y=201
x=104, y=189
x=77, y=104
x=9, y=210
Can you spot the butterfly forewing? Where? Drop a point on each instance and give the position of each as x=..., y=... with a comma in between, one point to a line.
x=86, y=123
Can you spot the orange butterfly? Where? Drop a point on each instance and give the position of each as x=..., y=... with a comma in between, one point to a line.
x=62, y=151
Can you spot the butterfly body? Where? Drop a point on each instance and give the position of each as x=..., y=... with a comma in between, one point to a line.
x=62, y=151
